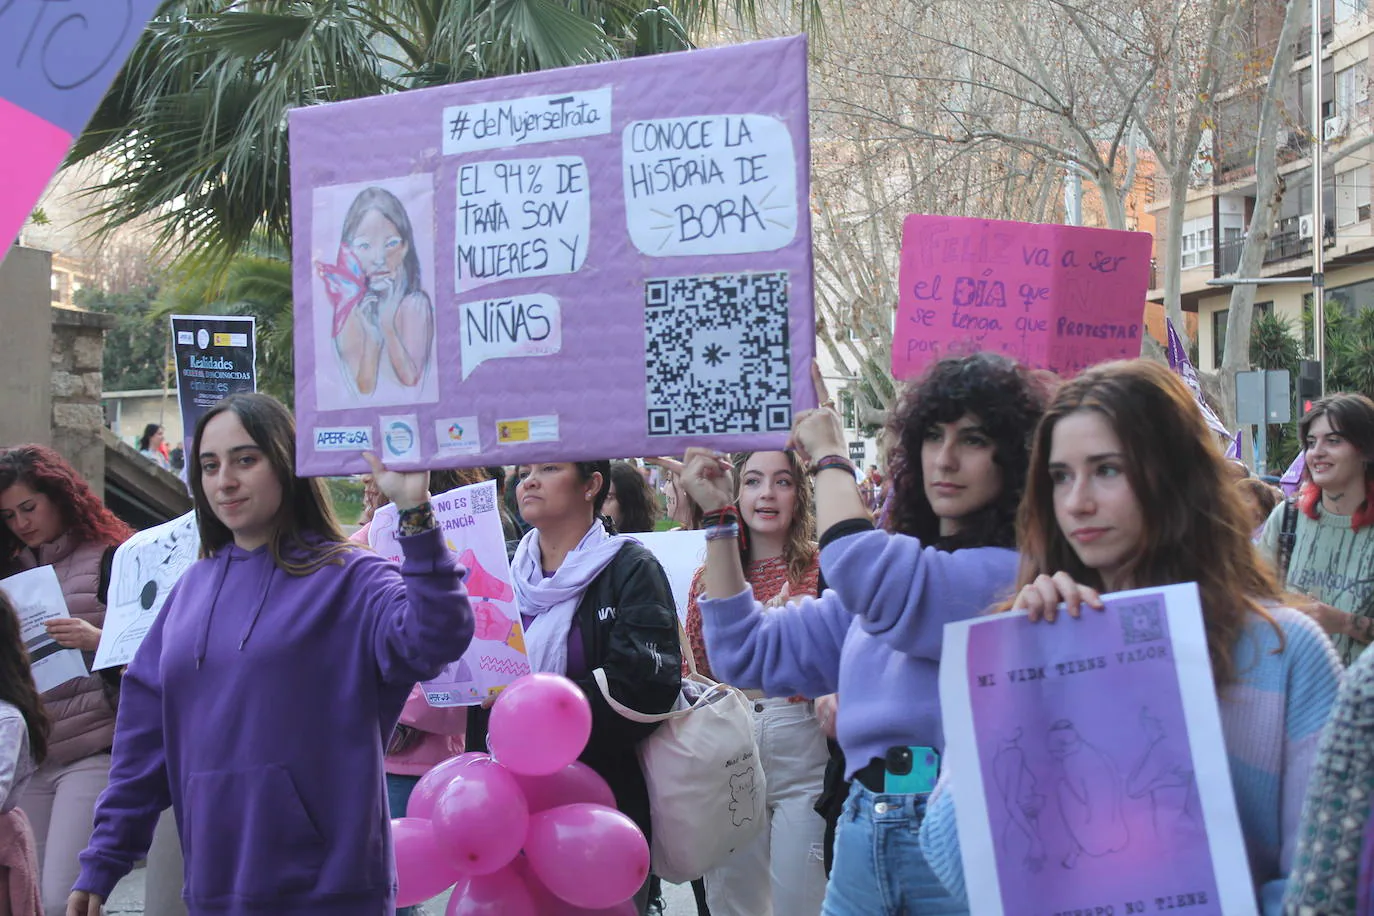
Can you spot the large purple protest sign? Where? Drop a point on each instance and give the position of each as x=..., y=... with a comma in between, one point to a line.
x=584, y=263
x=1053, y=297
x=56, y=61
x=1091, y=770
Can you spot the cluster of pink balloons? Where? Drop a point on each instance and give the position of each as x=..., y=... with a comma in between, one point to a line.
x=527, y=830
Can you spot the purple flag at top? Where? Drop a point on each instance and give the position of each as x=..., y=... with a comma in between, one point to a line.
x=1180, y=363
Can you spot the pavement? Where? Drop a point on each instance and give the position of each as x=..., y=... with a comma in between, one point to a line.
x=127, y=899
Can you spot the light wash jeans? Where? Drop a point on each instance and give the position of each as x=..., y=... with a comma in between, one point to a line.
x=879, y=868
x=782, y=871
x=59, y=802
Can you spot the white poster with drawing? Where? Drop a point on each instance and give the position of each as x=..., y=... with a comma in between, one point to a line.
x=145, y=568
x=37, y=598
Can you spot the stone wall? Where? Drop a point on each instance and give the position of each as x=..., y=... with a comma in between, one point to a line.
x=26, y=322
x=78, y=345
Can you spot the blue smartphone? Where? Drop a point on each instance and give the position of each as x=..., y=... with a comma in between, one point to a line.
x=910, y=770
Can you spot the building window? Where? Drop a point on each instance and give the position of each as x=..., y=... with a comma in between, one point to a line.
x=1197, y=243
x=1352, y=197
x=1219, y=318
x=1346, y=10
x=1219, y=336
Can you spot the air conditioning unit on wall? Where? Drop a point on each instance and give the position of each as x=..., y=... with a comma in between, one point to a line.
x=1334, y=128
x=1305, y=227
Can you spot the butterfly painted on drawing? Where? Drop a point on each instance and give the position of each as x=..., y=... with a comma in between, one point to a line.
x=345, y=283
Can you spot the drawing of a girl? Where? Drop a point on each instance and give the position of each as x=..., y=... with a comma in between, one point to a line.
x=379, y=305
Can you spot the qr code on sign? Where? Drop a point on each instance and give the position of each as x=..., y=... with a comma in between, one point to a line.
x=717, y=355
x=483, y=499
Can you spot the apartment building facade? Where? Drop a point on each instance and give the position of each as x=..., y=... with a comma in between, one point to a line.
x=1221, y=199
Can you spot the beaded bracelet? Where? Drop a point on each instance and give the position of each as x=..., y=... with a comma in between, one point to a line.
x=415, y=520
x=833, y=461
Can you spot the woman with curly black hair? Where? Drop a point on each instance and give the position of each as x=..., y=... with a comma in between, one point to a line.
x=963, y=435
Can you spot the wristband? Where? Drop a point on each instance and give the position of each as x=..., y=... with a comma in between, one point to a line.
x=415, y=520
x=833, y=461
x=727, y=531
x=725, y=517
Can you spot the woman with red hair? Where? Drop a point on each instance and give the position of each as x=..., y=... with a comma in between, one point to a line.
x=51, y=517
x=1322, y=543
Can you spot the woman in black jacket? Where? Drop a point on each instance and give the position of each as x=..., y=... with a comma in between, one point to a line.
x=592, y=600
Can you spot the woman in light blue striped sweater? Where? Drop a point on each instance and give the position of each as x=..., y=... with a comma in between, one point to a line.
x=1127, y=489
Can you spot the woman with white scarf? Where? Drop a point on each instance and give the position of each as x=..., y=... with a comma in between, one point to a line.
x=591, y=599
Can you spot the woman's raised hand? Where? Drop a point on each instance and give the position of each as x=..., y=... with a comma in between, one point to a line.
x=1041, y=598
x=817, y=434
x=407, y=489
x=706, y=478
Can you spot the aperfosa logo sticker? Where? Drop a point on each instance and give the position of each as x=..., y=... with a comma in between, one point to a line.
x=343, y=439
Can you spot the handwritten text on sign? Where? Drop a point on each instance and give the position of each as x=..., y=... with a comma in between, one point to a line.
x=1054, y=297
x=527, y=325
x=521, y=218
x=722, y=184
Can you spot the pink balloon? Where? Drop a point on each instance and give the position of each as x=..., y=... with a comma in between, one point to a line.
x=547, y=903
x=589, y=855
x=501, y=893
x=539, y=724
x=575, y=784
x=422, y=869
x=427, y=790
x=481, y=818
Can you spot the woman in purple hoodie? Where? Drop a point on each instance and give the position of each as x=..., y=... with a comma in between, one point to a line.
x=963, y=434
x=260, y=702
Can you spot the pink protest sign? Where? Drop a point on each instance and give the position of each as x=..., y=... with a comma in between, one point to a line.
x=1054, y=297
x=472, y=531
x=573, y=264
x=56, y=61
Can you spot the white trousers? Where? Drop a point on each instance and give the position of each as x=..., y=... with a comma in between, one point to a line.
x=164, y=879
x=60, y=803
x=783, y=870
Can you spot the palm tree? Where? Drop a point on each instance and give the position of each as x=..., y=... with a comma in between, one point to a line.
x=196, y=121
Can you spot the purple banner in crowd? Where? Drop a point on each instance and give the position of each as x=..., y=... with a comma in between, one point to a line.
x=1090, y=770
x=1180, y=363
x=573, y=264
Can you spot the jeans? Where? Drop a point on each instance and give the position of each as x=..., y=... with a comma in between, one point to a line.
x=782, y=872
x=60, y=804
x=398, y=789
x=879, y=868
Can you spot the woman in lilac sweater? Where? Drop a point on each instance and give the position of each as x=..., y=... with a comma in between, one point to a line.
x=259, y=703
x=963, y=435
